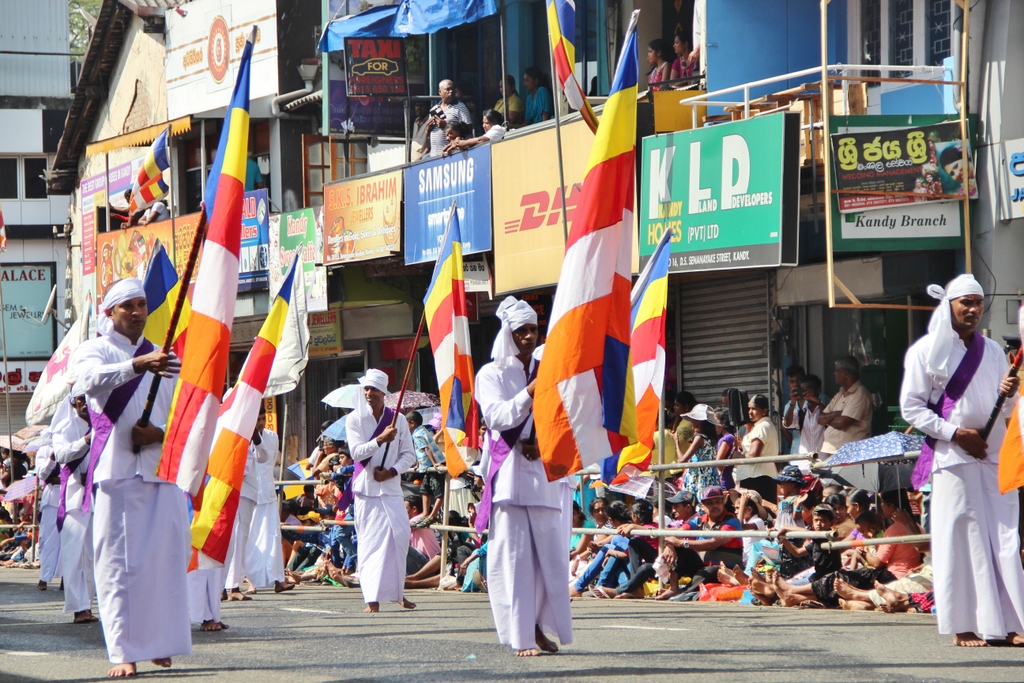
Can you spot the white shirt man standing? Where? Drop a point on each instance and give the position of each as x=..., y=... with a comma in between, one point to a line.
x=237, y=568
x=381, y=453
x=528, y=557
x=847, y=417
x=264, y=565
x=979, y=583
x=49, y=538
x=72, y=437
x=140, y=522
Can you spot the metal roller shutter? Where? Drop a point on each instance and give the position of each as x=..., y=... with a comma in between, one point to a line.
x=19, y=403
x=725, y=336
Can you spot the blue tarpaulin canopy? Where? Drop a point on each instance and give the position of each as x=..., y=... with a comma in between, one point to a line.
x=410, y=17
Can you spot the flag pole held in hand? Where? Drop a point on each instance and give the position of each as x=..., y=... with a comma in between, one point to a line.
x=179, y=303
x=1014, y=368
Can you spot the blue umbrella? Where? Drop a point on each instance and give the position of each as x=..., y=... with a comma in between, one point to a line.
x=876, y=448
x=336, y=431
x=858, y=463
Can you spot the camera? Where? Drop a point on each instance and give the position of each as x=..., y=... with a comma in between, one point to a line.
x=438, y=111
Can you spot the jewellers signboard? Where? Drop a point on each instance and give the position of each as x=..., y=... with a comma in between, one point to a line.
x=730, y=193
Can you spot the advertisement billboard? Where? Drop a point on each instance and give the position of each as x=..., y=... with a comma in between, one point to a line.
x=299, y=232
x=27, y=289
x=376, y=66
x=252, y=257
x=361, y=218
x=126, y=253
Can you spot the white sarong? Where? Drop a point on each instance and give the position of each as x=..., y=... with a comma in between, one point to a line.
x=49, y=544
x=204, y=589
x=527, y=566
x=979, y=583
x=76, y=556
x=382, y=527
x=140, y=564
x=264, y=562
x=236, y=567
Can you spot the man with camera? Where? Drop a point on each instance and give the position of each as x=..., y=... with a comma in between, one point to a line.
x=449, y=109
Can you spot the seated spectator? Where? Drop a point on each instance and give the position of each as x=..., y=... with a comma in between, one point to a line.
x=725, y=446
x=516, y=107
x=443, y=114
x=824, y=561
x=753, y=516
x=659, y=59
x=761, y=440
x=681, y=66
x=607, y=568
x=847, y=417
x=642, y=551
x=493, y=130
x=702, y=449
x=844, y=524
x=156, y=213
x=858, y=502
x=423, y=539
x=539, y=105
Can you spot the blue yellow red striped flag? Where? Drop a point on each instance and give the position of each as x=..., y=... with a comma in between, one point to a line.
x=583, y=404
x=211, y=528
x=162, y=288
x=149, y=183
x=562, y=31
x=194, y=408
x=647, y=357
x=448, y=325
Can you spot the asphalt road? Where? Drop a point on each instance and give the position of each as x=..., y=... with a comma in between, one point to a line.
x=318, y=633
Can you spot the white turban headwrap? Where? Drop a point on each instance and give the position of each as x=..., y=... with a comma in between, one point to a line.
x=378, y=379
x=119, y=292
x=940, y=327
x=513, y=314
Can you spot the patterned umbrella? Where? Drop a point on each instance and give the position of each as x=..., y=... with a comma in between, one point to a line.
x=857, y=464
x=412, y=401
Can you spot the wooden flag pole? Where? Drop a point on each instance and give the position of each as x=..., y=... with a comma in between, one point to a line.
x=179, y=303
x=1014, y=369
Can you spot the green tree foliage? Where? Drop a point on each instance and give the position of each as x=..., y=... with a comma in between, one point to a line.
x=79, y=27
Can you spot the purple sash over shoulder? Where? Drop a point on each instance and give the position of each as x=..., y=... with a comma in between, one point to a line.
x=382, y=424
x=955, y=389
x=65, y=476
x=499, y=452
x=103, y=422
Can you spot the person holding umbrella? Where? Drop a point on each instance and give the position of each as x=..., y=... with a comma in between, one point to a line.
x=952, y=377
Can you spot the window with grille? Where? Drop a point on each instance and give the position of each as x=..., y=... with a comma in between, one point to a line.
x=939, y=41
x=871, y=34
x=901, y=32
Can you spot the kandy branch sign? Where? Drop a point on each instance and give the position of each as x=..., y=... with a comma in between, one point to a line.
x=376, y=66
x=730, y=193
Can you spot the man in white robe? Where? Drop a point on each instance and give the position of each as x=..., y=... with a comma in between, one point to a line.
x=381, y=453
x=47, y=472
x=205, y=585
x=264, y=563
x=528, y=557
x=979, y=584
x=139, y=521
x=72, y=436
x=236, y=564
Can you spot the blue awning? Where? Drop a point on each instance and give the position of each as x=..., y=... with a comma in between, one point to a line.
x=410, y=17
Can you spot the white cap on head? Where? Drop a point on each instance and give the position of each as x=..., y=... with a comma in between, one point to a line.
x=513, y=314
x=77, y=389
x=940, y=327
x=378, y=379
x=123, y=290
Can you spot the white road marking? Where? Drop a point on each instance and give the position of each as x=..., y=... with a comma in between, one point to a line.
x=21, y=653
x=308, y=611
x=642, y=628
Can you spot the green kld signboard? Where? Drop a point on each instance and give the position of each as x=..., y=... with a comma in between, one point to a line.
x=730, y=193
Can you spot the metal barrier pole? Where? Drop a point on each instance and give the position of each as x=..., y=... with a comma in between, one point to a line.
x=444, y=518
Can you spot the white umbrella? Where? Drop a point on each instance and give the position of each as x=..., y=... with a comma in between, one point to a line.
x=344, y=397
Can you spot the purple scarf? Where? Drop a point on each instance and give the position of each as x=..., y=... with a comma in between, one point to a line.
x=103, y=422
x=385, y=421
x=955, y=389
x=499, y=452
x=65, y=476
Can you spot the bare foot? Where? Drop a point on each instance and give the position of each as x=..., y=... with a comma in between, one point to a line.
x=41, y=585
x=280, y=587
x=573, y=593
x=235, y=595
x=1011, y=640
x=626, y=595
x=602, y=592
x=726, y=576
x=85, y=617
x=543, y=642
x=529, y=652
x=896, y=601
x=372, y=608
x=856, y=605
x=121, y=671
x=668, y=594
x=223, y=626
x=223, y=595
x=844, y=590
x=407, y=605
x=968, y=640
x=164, y=662
x=251, y=591
x=211, y=625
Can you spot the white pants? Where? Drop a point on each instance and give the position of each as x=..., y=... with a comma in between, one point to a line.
x=979, y=583
x=76, y=556
x=140, y=564
x=382, y=527
x=236, y=569
x=264, y=562
x=49, y=544
x=527, y=566
x=204, y=588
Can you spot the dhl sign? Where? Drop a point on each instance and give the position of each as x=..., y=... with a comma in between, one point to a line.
x=544, y=208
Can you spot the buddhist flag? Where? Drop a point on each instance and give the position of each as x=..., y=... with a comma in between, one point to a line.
x=647, y=357
x=583, y=403
x=149, y=183
x=3, y=231
x=562, y=31
x=162, y=288
x=1011, y=454
x=448, y=323
x=194, y=408
x=211, y=528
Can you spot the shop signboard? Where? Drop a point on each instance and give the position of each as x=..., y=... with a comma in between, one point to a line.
x=299, y=233
x=126, y=253
x=27, y=289
x=252, y=257
x=430, y=188
x=730, y=193
x=361, y=218
x=376, y=66
x=884, y=168
x=184, y=232
x=1011, y=201
x=325, y=332
x=899, y=222
x=22, y=377
x=204, y=45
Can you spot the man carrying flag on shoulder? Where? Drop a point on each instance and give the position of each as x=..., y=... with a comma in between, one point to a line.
x=140, y=521
x=528, y=558
x=952, y=377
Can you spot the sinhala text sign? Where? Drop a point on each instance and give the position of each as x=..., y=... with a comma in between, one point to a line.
x=730, y=193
